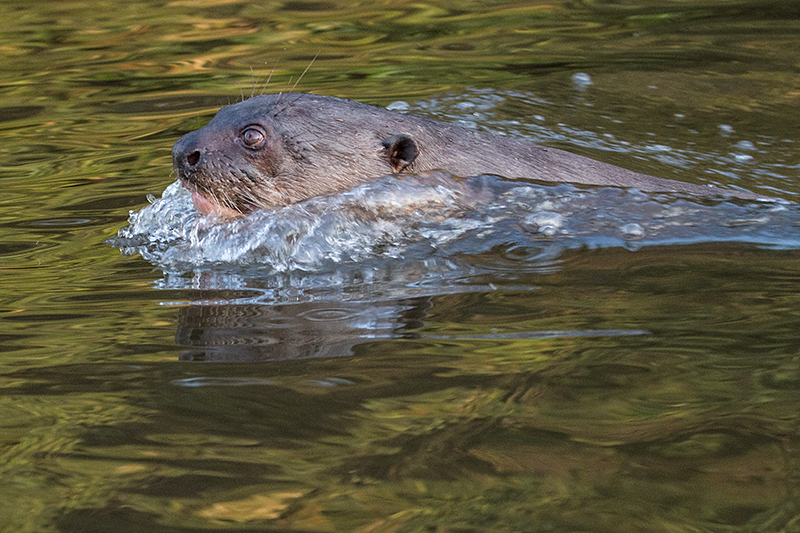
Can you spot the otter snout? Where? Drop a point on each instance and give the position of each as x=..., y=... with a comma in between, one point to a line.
x=186, y=156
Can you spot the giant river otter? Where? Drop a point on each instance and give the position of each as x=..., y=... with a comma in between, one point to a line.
x=274, y=150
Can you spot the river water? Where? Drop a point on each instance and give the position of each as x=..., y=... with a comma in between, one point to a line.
x=425, y=353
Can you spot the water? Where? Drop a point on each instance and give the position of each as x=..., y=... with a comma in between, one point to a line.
x=416, y=217
x=483, y=356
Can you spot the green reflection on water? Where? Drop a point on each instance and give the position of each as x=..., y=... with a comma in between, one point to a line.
x=563, y=434
x=510, y=435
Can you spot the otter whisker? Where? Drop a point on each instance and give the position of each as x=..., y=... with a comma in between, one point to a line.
x=210, y=196
x=288, y=90
x=300, y=78
x=251, y=178
x=280, y=94
x=301, y=95
x=264, y=88
x=250, y=200
x=224, y=200
x=304, y=72
x=295, y=86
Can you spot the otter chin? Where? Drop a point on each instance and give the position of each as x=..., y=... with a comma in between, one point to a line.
x=210, y=207
x=275, y=150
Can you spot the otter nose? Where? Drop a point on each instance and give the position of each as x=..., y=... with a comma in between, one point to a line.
x=193, y=158
x=186, y=154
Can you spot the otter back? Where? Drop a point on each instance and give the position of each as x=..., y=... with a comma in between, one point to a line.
x=275, y=150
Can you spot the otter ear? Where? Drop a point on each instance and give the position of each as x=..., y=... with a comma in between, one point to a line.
x=402, y=151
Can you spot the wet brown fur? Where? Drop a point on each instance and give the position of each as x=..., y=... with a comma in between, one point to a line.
x=315, y=145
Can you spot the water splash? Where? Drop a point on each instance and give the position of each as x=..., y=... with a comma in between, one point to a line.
x=436, y=217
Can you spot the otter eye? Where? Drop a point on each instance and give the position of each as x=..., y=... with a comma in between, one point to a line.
x=253, y=136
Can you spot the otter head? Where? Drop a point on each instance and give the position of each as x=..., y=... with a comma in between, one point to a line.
x=268, y=152
x=228, y=164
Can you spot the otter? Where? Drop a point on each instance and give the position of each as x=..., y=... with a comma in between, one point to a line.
x=279, y=149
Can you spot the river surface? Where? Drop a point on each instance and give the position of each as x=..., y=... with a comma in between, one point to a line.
x=421, y=353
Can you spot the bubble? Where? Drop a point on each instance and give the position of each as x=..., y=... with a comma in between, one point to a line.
x=632, y=231
x=545, y=222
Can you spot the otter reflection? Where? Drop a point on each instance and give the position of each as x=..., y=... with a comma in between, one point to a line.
x=253, y=332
